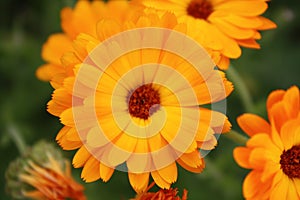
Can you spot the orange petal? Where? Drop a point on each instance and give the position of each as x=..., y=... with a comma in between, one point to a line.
x=62, y=97
x=159, y=180
x=209, y=143
x=230, y=47
x=292, y=101
x=67, y=117
x=251, y=185
x=265, y=141
x=231, y=30
x=243, y=22
x=193, y=159
x=107, y=28
x=217, y=120
x=266, y=24
x=81, y=156
x=292, y=191
x=241, y=156
x=73, y=23
x=105, y=172
x=243, y=8
x=258, y=158
x=139, y=182
x=271, y=168
x=279, y=190
x=223, y=63
x=274, y=97
x=69, y=145
x=169, y=173
x=249, y=43
x=55, y=47
x=72, y=135
x=47, y=71
x=90, y=171
x=276, y=138
x=57, y=80
x=297, y=185
x=290, y=133
x=55, y=108
x=253, y=124
x=63, y=141
x=278, y=114
x=198, y=169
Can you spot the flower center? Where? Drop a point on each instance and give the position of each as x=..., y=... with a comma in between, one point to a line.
x=290, y=162
x=200, y=9
x=142, y=101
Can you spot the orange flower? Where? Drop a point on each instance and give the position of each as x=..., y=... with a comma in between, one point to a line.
x=51, y=182
x=131, y=105
x=224, y=25
x=170, y=194
x=82, y=19
x=42, y=173
x=273, y=151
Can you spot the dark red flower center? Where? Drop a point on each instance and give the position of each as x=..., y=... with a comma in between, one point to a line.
x=290, y=162
x=200, y=9
x=143, y=101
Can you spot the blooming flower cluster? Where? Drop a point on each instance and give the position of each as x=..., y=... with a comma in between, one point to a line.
x=135, y=87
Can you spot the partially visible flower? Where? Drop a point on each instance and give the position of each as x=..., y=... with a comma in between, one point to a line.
x=222, y=25
x=170, y=194
x=273, y=151
x=42, y=173
x=83, y=18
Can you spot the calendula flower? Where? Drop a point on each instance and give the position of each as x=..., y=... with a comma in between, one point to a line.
x=42, y=173
x=82, y=19
x=170, y=194
x=225, y=25
x=132, y=102
x=273, y=151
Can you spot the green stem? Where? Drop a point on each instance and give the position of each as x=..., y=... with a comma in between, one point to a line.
x=236, y=137
x=240, y=88
x=16, y=136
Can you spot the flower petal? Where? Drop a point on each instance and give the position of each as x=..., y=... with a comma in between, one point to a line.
x=90, y=171
x=273, y=98
x=193, y=159
x=81, y=157
x=159, y=180
x=198, y=169
x=280, y=189
x=243, y=8
x=241, y=156
x=250, y=184
x=253, y=124
x=290, y=132
x=139, y=182
x=105, y=172
x=169, y=173
x=292, y=101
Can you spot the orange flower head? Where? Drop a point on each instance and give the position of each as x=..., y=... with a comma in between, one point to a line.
x=273, y=150
x=221, y=25
x=42, y=173
x=170, y=194
x=131, y=101
x=51, y=182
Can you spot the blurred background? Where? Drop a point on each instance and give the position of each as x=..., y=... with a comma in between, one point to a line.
x=25, y=26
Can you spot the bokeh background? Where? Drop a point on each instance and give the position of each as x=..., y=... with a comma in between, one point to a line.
x=25, y=26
